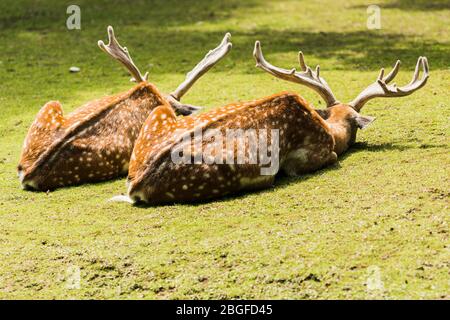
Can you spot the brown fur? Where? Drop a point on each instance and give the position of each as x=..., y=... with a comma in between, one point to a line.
x=93, y=143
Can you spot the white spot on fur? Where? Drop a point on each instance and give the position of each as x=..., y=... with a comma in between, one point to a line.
x=170, y=195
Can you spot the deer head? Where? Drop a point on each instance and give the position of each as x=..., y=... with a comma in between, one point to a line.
x=94, y=142
x=281, y=131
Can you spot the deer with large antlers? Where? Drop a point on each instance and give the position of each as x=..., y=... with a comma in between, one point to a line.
x=94, y=142
x=300, y=138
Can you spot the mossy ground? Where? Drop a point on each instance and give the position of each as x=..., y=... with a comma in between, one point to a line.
x=373, y=226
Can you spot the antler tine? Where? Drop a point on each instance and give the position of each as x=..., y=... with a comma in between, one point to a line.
x=420, y=62
x=307, y=77
x=415, y=83
x=391, y=75
x=122, y=55
x=211, y=58
x=380, y=88
x=417, y=69
x=301, y=60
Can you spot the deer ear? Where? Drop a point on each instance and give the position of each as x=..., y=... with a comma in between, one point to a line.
x=364, y=121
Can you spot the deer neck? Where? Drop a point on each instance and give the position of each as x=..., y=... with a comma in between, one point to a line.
x=343, y=133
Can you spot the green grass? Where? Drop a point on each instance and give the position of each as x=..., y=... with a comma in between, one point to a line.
x=374, y=226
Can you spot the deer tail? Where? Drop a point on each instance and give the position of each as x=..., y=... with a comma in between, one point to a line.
x=121, y=198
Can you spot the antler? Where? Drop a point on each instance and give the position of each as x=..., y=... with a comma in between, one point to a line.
x=380, y=88
x=211, y=58
x=307, y=77
x=122, y=55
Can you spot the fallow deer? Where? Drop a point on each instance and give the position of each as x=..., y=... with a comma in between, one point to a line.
x=94, y=142
x=308, y=139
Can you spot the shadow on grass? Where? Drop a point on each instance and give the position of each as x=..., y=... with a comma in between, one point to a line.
x=51, y=14
x=168, y=51
x=143, y=26
x=387, y=146
x=361, y=50
x=415, y=5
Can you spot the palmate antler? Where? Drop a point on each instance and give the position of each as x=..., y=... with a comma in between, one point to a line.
x=307, y=77
x=380, y=88
x=211, y=59
x=115, y=50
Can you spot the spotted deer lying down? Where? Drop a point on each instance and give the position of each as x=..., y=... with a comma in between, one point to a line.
x=94, y=142
x=296, y=138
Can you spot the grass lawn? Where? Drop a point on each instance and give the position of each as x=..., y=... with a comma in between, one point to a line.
x=374, y=226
